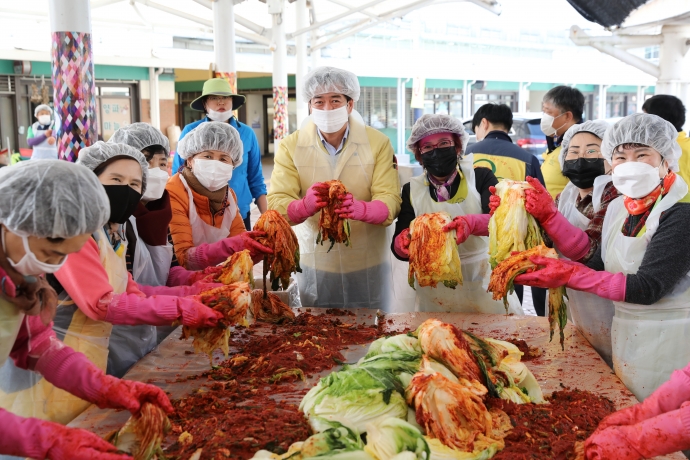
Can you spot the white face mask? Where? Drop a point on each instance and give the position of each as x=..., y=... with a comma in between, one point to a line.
x=635, y=179
x=44, y=119
x=219, y=116
x=155, y=185
x=330, y=121
x=212, y=174
x=29, y=265
x=547, y=124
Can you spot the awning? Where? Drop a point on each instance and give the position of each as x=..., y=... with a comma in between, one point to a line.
x=606, y=13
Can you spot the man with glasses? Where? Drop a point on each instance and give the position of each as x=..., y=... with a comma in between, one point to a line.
x=334, y=144
x=218, y=102
x=562, y=107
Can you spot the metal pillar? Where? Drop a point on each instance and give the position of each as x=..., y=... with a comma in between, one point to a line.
x=640, y=98
x=602, y=101
x=224, y=41
x=280, y=81
x=467, y=98
x=154, y=97
x=302, y=20
x=402, y=106
x=673, y=60
x=74, y=89
x=523, y=96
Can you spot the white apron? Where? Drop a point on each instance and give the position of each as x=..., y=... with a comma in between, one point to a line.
x=472, y=296
x=649, y=341
x=151, y=264
x=10, y=322
x=43, y=151
x=591, y=314
x=355, y=276
x=203, y=232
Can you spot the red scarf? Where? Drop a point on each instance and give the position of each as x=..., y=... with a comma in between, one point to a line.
x=637, y=206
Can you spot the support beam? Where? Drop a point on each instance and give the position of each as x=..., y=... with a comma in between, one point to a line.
x=280, y=80
x=224, y=41
x=74, y=88
x=207, y=3
x=581, y=38
x=397, y=12
x=602, y=101
x=337, y=17
x=154, y=97
x=249, y=36
x=301, y=21
x=674, y=62
x=347, y=5
x=101, y=3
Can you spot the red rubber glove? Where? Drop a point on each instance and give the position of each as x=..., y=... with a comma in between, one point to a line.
x=560, y=272
x=569, y=239
x=206, y=255
x=402, y=244
x=469, y=225
x=372, y=212
x=660, y=435
x=131, y=309
x=494, y=201
x=34, y=438
x=316, y=198
x=538, y=201
x=668, y=397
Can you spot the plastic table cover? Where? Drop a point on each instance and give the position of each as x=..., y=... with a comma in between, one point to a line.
x=578, y=366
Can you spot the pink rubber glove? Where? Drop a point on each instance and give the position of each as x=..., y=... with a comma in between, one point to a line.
x=466, y=226
x=9, y=289
x=668, y=397
x=34, y=438
x=494, y=201
x=316, y=198
x=372, y=212
x=178, y=291
x=660, y=435
x=569, y=239
x=560, y=272
x=206, y=255
x=180, y=276
x=159, y=310
x=402, y=244
x=73, y=372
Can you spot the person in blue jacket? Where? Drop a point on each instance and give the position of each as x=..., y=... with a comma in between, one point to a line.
x=218, y=101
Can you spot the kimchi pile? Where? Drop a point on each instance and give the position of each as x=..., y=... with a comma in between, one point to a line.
x=331, y=226
x=434, y=254
x=282, y=240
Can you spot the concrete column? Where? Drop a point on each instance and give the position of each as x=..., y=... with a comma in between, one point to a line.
x=280, y=78
x=224, y=41
x=302, y=21
x=640, y=98
x=602, y=101
x=74, y=88
x=523, y=97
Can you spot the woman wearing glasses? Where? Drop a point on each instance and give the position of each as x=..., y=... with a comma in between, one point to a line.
x=450, y=184
x=218, y=101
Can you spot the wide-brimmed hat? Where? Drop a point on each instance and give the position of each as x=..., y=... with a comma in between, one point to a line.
x=218, y=87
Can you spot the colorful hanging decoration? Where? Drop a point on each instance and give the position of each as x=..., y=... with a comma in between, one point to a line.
x=280, y=112
x=231, y=77
x=74, y=93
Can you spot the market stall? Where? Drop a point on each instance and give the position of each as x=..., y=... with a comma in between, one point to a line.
x=172, y=364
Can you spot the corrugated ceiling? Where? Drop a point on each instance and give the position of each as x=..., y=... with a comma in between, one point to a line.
x=607, y=13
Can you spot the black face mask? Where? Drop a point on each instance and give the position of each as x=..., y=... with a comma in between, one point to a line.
x=440, y=162
x=123, y=201
x=583, y=171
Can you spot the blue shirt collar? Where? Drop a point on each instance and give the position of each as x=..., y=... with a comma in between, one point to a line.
x=329, y=148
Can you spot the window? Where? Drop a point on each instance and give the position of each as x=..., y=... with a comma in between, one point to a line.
x=187, y=114
x=444, y=101
x=379, y=107
x=651, y=52
x=508, y=98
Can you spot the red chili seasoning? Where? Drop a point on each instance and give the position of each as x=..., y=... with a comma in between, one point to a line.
x=550, y=431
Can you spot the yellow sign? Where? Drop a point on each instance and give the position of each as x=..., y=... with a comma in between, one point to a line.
x=418, y=85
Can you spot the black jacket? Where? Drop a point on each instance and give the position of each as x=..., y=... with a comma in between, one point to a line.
x=499, y=143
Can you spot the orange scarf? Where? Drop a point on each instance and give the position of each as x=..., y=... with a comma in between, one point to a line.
x=637, y=206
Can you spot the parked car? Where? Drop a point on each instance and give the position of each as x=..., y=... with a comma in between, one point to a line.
x=526, y=133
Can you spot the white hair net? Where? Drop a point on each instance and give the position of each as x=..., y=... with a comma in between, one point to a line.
x=212, y=135
x=596, y=127
x=429, y=124
x=100, y=152
x=140, y=136
x=324, y=80
x=43, y=107
x=52, y=199
x=646, y=129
